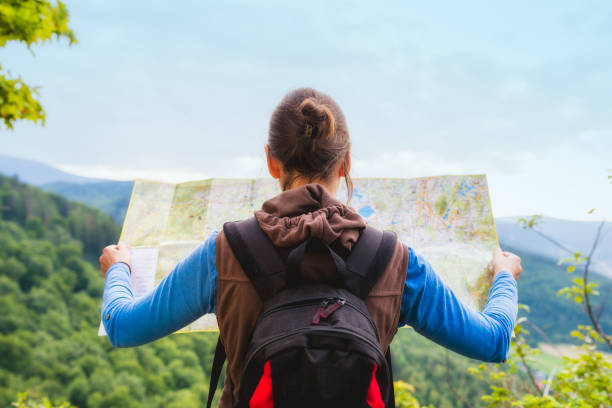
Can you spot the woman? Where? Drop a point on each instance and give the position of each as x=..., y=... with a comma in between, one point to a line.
x=308, y=151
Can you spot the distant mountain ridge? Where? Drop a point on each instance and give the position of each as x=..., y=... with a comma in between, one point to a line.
x=575, y=235
x=113, y=197
x=109, y=196
x=37, y=173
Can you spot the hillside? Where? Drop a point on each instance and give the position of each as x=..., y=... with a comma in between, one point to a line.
x=556, y=316
x=49, y=313
x=111, y=197
x=55, y=218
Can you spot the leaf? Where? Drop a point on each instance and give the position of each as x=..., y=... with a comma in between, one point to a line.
x=524, y=307
x=529, y=222
x=29, y=22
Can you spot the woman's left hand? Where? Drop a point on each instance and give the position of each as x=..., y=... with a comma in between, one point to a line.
x=112, y=254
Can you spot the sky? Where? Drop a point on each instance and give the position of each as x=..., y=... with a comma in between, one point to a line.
x=520, y=91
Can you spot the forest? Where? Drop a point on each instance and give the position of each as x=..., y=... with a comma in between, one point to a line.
x=50, y=296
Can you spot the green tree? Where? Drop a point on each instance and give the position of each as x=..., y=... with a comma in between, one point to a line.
x=29, y=22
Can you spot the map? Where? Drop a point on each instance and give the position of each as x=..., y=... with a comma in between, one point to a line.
x=447, y=219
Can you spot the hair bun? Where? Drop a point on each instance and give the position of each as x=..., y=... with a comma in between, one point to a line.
x=318, y=116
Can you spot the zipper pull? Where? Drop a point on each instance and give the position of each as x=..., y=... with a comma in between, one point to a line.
x=338, y=302
x=317, y=317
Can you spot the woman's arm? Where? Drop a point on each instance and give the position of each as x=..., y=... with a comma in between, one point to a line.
x=434, y=311
x=188, y=292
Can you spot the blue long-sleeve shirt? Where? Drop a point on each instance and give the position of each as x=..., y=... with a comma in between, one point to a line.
x=428, y=305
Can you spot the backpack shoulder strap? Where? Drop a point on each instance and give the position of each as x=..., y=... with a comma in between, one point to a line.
x=257, y=256
x=368, y=260
x=215, y=372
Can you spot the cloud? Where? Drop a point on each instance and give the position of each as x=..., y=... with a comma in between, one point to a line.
x=240, y=166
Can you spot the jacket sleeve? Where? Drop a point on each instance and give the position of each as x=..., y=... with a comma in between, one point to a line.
x=434, y=311
x=188, y=292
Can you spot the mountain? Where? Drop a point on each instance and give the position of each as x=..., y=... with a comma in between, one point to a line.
x=37, y=173
x=112, y=197
x=575, y=235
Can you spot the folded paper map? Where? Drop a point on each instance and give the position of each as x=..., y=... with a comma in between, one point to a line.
x=447, y=219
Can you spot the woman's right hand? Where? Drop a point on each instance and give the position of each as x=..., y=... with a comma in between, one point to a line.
x=506, y=261
x=112, y=254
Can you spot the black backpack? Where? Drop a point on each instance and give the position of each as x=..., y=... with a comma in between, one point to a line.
x=313, y=345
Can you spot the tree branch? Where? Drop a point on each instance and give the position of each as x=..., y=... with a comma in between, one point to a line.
x=587, y=300
x=528, y=369
x=553, y=241
x=603, y=305
x=546, y=338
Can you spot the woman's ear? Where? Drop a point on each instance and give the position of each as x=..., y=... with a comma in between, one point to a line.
x=346, y=164
x=273, y=164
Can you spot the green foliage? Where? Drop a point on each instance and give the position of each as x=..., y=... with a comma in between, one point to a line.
x=33, y=21
x=18, y=101
x=50, y=311
x=530, y=222
x=578, y=290
x=404, y=395
x=584, y=381
x=23, y=401
x=53, y=222
x=29, y=22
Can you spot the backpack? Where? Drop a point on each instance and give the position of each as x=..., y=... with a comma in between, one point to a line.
x=313, y=345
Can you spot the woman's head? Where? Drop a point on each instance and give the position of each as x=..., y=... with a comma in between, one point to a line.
x=309, y=140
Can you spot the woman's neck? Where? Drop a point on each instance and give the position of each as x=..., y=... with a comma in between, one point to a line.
x=330, y=185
